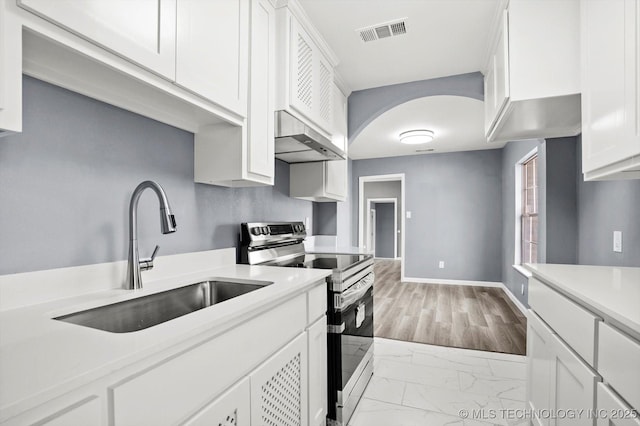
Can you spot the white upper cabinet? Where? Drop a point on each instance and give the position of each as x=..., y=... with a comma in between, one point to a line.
x=244, y=156
x=325, y=180
x=143, y=31
x=532, y=78
x=305, y=71
x=610, y=89
x=496, y=82
x=212, y=50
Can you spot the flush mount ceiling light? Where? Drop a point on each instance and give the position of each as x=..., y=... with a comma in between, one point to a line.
x=415, y=137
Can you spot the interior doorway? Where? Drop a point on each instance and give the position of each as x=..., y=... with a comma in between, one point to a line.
x=383, y=227
x=382, y=189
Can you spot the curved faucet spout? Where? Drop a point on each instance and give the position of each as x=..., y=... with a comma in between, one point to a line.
x=167, y=223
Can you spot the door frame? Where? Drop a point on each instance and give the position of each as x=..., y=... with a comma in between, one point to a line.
x=361, y=211
x=393, y=201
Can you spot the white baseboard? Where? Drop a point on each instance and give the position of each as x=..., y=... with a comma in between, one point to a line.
x=514, y=299
x=452, y=282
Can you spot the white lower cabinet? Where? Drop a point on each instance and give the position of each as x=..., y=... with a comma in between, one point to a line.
x=230, y=409
x=612, y=411
x=539, y=357
x=317, y=336
x=85, y=413
x=279, y=387
x=558, y=380
x=573, y=385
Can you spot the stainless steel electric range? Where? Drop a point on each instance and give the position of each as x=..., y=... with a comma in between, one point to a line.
x=349, y=305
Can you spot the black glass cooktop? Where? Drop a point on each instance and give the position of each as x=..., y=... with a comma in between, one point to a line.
x=322, y=261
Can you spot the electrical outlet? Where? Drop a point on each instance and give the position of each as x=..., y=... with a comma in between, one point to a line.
x=441, y=264
x=617, y=241
x=522, y=289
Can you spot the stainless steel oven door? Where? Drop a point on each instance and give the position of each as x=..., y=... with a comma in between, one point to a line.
x=350, y=347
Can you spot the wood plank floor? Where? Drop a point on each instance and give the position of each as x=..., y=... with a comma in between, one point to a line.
x=481, y=318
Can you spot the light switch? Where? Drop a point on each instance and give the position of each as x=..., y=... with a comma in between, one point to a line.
x=408, y=215
x=617, y=241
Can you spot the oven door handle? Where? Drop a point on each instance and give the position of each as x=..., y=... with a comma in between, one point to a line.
x=356, y=291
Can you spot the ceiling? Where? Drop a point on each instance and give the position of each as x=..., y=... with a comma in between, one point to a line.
x=444, y=37
x=458, y=124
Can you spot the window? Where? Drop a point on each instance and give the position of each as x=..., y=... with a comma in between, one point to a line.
x=529, y=210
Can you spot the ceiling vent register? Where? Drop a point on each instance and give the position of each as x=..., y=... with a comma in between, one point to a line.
x=384, y=30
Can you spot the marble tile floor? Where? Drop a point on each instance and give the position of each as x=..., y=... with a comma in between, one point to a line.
x=416, y=384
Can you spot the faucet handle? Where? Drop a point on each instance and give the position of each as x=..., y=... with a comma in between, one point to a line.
x=155, y=251
x=146, y=264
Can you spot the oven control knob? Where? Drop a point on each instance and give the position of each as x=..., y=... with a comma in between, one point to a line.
x=265, y=230
x=301, y=228
x=255, y=231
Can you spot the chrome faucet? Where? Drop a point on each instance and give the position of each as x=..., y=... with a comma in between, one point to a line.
x=167, y=222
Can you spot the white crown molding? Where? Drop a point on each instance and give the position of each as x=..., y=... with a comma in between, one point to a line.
x=341, y=83
x=298, y=11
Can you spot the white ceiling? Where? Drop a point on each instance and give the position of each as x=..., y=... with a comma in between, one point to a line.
x=444, y=37
x=458, y=124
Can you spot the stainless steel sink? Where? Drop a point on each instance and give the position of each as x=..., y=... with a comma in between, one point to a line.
x=147, y=311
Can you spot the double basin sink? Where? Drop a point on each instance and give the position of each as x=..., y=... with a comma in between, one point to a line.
x=147, y=311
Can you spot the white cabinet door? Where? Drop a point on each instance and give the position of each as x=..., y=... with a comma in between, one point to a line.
x=573, y=384
x=279, y=387
x=143, y=31
x=612, y=411
x=336, y=179
x=497, y=78
x=303, y=70
x=610, y=92
x=230, y=409
x=317, y=335
x=260, y=143
x=212, y=50
x=323, y=92
x=539, y=357
x=319, y=181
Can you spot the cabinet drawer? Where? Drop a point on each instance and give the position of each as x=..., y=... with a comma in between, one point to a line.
x=180, y=386
x=574, y=324
x=619, y=363
x=613, y=411
x=317, y=303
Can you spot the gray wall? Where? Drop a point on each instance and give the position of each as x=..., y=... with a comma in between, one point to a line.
x=65, y=184
x=366, y=105
x=385, y=230
x=455, y=200
x=392, y=189
x=604, y=207
x=324, y=219
x=343, y=213
x=561, y=207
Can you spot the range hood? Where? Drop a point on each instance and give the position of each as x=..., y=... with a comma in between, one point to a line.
x=298, y=143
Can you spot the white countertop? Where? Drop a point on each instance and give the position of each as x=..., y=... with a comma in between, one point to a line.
x=41, y=358
x=611, y=292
